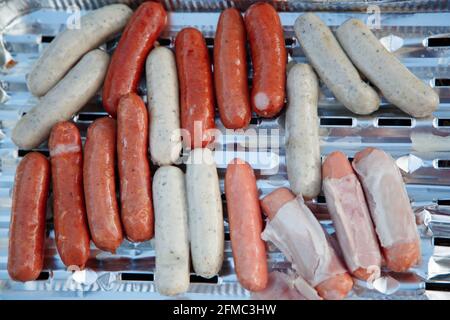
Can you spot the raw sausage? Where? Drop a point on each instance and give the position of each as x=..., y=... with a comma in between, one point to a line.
x=302, y=132
x=196, y=90
x=27, y=229
x=399, y=85
x=62, y=101
x=292, y=223
x=351, y=217
x=128, y=59
x=69, y=211
x=171, y=231
x=134, y=171
x=163, y=106
x=333, y=66
x=390, y=208
x=268, y=52
x=99, y=184
x=205, y=213
x=70, y=45
x=246, y=225
x=230, y=70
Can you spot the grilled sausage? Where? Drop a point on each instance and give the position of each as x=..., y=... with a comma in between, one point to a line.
x=70, y=45
x=351, y=217
x=246, y=225
x=171, y=231
x=399, y=85
x=268, y=52
x=390, y=208
x=62, y=101
x=196, y=90
x=69, y=211
x=325, y=264
x=302, y=132
x=134, y=170
x=27, y=229
x=163, y=106
x=230, y=70
x=205, y=213
x=127, y=62
x=333, y=66
x=99, y=184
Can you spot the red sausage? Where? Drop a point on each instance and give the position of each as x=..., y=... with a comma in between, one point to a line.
x=99, y=184
x=27, y=229
x=196, y=90
x=268, y=52
x=127, y=62
x=69, y=211
x=230, y=70
x=246, y=225
x=134, y=170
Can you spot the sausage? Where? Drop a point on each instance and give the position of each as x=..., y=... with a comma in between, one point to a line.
x=205, y=213
x=163, y=106
x=128, y=59
x=99, y=184
x=70, y=45
x=196, y=90
x=171, y=231
x=69, y=211
x=333, y=66
x=134, y=170
x=302, y=132
x=399, y=85
x=230, y=70
x=268, y=52
x=246, y=225
x=62, y=101
x=312, y=265
x=27, y=229
x=389, y=207
x=351, y=217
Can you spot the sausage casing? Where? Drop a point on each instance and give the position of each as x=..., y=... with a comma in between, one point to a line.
x=134, y=170
x=292, y=223
x=350, y=214
x=99, y=184
x=27, y=228
x=69, y=211
x=389, y=207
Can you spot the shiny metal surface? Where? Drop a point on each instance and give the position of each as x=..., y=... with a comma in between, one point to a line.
x=128, y=274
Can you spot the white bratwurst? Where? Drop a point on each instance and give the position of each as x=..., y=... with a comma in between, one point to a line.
x=399, y=85
x=63, y=100
x=205, y=213
x=163, y=106
x=70, y=45
x=333, y=66
x=302, y=132
x=171, y=231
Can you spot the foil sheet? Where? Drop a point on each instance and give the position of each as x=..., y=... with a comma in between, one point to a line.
x=420, y=146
